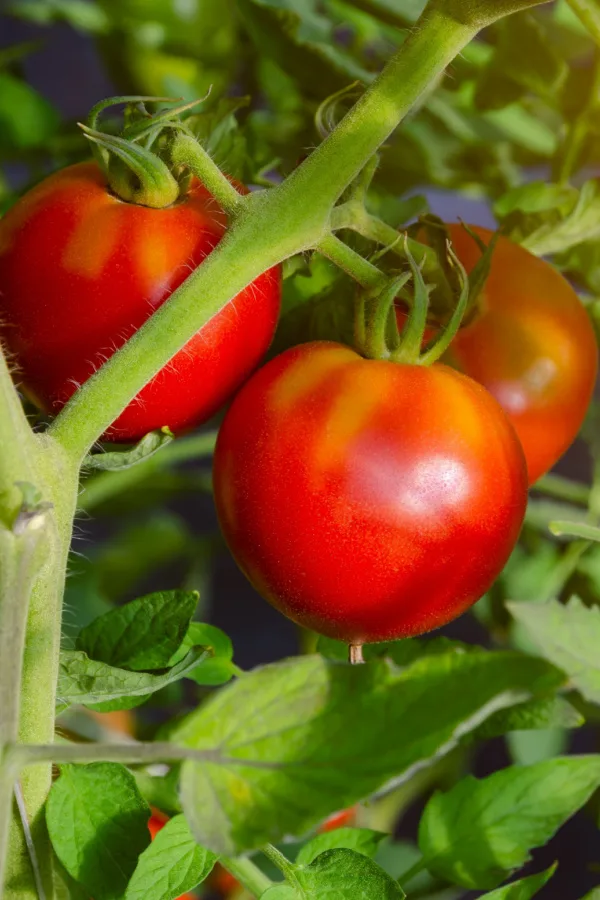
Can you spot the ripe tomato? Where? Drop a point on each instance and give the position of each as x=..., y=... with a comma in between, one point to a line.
x=81, y=271
x=366, y=500
x=532, y=346
x=345, y=818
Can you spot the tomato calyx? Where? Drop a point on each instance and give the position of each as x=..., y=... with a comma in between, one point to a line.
x=137, y=163
x=435, y=233
x=376, y=331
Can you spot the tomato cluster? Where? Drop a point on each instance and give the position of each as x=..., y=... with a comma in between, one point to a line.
x=367, y=500
x=370, y=501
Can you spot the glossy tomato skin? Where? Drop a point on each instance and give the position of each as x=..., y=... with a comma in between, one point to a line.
x=367, y=501
x=532, y=346
x=80, y=272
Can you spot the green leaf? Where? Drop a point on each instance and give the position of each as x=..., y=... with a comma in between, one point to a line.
x=529, y=747
x=568, y=636
x=217, y=668
x=84, y=680
x=576, y=530
x=116, y=461
x=143, y=634
x=547, y=712
x=98, y=825
x=523, y=889
x=173, y=864
x=525, y=61
x=593, y=894
x=339, y=875
x=298, y=37
x=78, y=13
x=550, y=218
x=361, y=840
x=480, y=831
x=26, y=118
x=282, y=760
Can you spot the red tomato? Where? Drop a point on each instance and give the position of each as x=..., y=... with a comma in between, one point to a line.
x=80, y=272
x=532, y=346
x=223, y=883
x=346, y=818
x=366, y=500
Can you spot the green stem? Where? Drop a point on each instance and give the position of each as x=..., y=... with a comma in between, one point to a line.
x=248, y=874
x=287, y=868
x=355, y=217
x=16, y=447
x=23, y=550
x=23, y=755
x=362, y=271
x=588, y=12
x=563, y=489
x=333, y=166
x=269, y=227
x=58, y=484
x=186, y=151
x=98, y=489
x=407, y=876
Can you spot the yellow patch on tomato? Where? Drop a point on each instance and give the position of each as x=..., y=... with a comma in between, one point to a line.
x=457, y=406
x=93, y=240
x=303, y=379
x=361, y=392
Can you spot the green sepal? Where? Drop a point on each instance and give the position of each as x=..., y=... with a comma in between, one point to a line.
x=134, y=173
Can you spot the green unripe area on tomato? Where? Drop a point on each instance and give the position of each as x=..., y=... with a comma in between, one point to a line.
x=368, y=500
x=531, y=344
x=81, y=271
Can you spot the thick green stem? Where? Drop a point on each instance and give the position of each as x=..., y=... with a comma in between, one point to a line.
x=58, y=485
x=23, y=551
x=268, y=228
x=16, y=448
x=436, y=39
x=248, y=874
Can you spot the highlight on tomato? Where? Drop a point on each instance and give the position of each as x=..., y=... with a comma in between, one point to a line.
x=530, y=343
x=107, y=255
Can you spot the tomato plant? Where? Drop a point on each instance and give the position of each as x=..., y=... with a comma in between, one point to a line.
x=369, y=471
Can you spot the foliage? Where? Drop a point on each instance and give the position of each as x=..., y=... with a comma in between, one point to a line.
x=263, y=757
